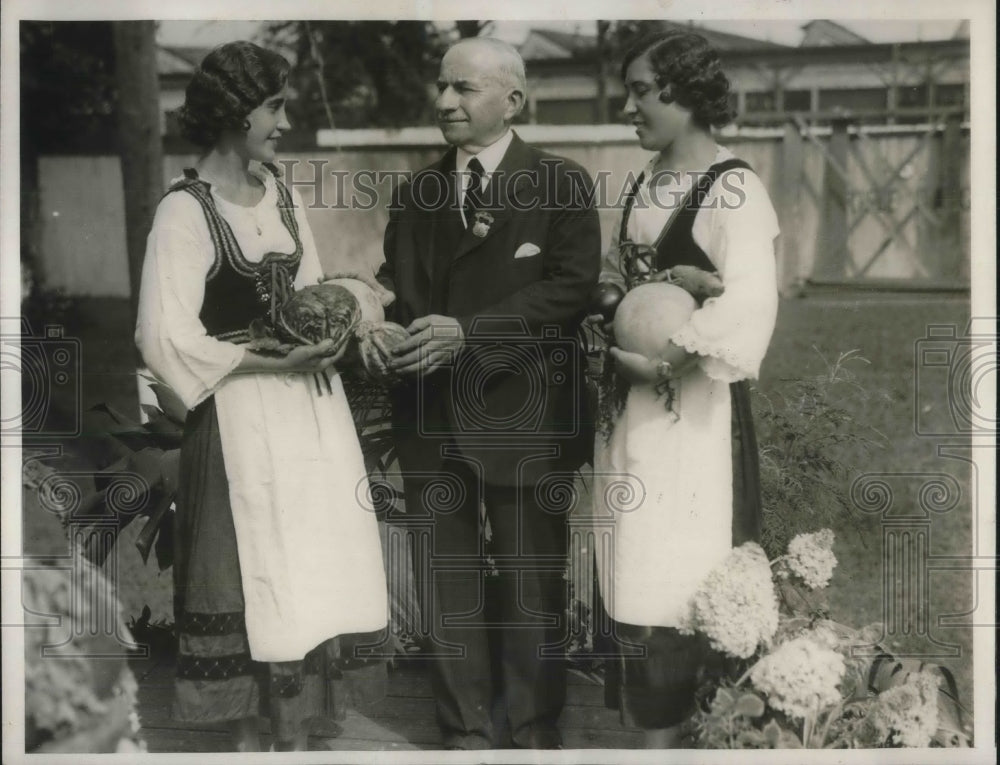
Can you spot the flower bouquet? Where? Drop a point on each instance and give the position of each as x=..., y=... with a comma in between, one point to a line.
x=788, y=677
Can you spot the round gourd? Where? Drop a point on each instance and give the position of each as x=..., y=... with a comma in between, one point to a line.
x=375, y=342
x=649, y=315
x=318, y=312
x=371, y=305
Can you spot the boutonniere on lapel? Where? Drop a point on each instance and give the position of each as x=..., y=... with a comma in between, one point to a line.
x=482, y=225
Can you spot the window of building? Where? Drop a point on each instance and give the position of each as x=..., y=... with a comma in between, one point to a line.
x=761, y=101
x=911, y=96
x=949, y=95
x=798, y=101
x=853, y=99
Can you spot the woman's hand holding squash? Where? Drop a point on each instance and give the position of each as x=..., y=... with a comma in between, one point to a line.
x=641, y=370
x=310, y=359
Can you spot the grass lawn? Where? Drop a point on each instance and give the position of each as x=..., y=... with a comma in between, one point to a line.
x=884, y=328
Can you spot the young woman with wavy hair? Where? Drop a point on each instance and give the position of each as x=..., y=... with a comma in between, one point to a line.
x=692, y=465
x=278, y=566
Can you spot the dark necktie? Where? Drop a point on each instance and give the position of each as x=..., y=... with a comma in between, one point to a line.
x=473, y=190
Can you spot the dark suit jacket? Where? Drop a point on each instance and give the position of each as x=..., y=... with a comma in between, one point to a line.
x=515, y=392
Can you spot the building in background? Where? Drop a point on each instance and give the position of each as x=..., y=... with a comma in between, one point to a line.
x=865, y=148
x=833, y=73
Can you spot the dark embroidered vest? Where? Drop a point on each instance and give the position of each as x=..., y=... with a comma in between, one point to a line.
x=676, y=246
x=236, y=290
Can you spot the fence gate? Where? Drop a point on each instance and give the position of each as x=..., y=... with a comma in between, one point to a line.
x=880, y=207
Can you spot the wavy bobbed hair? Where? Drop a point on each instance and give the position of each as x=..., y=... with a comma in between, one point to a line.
x=688, y=72
x=232, y=81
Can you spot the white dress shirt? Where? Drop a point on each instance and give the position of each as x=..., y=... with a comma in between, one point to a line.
x=489, y=158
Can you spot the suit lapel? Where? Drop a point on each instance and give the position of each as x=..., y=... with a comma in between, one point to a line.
x=498, y=194
x=442, y=216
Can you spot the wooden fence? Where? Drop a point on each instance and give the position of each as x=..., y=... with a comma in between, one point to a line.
x=883, y=206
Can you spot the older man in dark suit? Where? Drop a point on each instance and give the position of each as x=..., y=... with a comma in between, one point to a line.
x=492, y=252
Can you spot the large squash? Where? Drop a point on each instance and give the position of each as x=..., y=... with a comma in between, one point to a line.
x=375, y=341
x=318, y=312
x=369, y=302
x=649, y=315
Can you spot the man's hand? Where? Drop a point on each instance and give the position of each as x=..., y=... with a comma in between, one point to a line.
x=606, y=328
x=434, y=340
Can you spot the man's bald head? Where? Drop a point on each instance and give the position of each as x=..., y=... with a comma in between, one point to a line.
x=495, y=56
x=481, y=89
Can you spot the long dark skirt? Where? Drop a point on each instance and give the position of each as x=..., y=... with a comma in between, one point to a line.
x=658, y=691
x=216, y=678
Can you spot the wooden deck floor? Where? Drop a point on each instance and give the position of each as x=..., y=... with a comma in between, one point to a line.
x=404, y=720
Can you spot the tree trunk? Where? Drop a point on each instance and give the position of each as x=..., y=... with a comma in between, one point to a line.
x=140, y=143
x=603, y=115
x=31, y=258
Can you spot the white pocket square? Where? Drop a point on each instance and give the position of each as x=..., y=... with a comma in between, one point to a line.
x=526, y=250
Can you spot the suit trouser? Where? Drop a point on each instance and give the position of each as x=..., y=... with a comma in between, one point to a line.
x=492, y=637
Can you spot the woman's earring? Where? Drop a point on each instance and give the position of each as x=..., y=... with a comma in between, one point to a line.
x=246, y=125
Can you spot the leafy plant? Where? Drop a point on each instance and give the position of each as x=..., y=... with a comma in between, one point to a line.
x=42, y=306
x=729, y=722
x=359, y=73
x=150, y=454
x=807, y=685
x=808, y=432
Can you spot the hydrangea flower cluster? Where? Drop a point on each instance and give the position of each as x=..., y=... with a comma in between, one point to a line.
x=811, y=558
x=58, y=692
x=800, y=677
x=909, y=712
x=77, y=697
x=736, y=606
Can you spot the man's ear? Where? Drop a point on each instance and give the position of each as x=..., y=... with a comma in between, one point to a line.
x=515, y=103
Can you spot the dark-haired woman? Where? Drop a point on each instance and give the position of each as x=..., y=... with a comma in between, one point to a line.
x=694, y=204
x=274, y=555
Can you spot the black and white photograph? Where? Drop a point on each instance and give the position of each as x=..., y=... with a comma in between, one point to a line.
x=467, y=382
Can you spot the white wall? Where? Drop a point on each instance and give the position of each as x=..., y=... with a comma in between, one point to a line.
x=83, y=226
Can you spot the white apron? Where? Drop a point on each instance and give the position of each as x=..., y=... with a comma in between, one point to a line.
x=309, y=550
x=661, y=538
x=310, y=555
